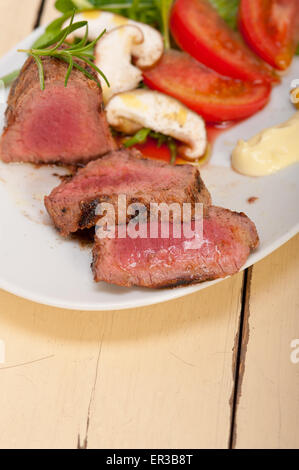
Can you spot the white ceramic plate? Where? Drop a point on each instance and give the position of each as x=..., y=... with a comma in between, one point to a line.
x=36, y=263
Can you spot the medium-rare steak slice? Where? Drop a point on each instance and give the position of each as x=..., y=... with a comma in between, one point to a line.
x=59, y=124
x=227, y=240
x=72, y=205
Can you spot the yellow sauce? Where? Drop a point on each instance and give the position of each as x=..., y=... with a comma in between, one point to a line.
x=91, y=15
x=119, y=20
x=269, y=151
x=113, y=20
x=180, y=116
x=129, y=99
x=200, y=162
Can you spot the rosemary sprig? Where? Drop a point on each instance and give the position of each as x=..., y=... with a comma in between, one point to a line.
x=68, y=53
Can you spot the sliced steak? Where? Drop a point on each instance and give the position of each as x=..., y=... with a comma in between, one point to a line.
x=72, y=205
x=59, y=124
x=227, y=240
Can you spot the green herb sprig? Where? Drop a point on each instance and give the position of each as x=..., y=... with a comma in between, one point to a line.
x=141, y=137
x=228, y=10
x=68, y=53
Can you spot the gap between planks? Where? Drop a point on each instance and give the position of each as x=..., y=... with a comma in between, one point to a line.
x=39, y=14
x=240, y=354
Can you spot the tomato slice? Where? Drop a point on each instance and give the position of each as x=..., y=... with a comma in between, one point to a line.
x=150, y=149
x=271, y=28
x=214, y=97
x=200, y=31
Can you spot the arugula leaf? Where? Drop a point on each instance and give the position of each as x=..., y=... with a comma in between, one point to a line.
x=56, y=35
x=64, y=5
x=82, y=4
x=67, y=5
x=173, y=151
x=165, y=14
x=139, y=138
x=228, y=10
x=10, y=77
x=118, y=6
x=153, y=12
x=51, y=32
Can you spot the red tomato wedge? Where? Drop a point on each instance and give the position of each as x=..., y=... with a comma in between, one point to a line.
x=200, y=31
x=214, y=97
x=150, y=149
x=271, y=28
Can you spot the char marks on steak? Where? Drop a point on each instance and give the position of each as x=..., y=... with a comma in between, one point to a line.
x=60, y=124
x=227, y=240
x=72, y=205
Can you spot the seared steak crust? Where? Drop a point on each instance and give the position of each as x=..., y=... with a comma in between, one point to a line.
x=72, y=205
x=228, y=238
x=60, y=124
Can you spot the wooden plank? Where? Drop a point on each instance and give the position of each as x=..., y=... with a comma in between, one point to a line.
x=268, y=409
x=16, y=21
x=153, y=377
x=49, y=12
x=50, y=358
x=164, y=375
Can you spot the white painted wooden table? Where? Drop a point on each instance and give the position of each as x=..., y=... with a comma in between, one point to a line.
x=210, y=370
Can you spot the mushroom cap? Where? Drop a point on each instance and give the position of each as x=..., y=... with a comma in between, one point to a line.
x=295, y=96
x=113, y=57
x=146, y=54
x=133, y=110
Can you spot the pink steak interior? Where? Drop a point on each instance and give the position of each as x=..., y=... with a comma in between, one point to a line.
x=58, y=124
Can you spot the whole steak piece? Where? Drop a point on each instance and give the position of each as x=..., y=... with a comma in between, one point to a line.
x=59, y=124
x=227, y=239
x=72, y=205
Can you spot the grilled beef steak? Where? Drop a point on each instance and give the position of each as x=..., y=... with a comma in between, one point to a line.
x=59, y=124
x=227, y=240
x=72, y=205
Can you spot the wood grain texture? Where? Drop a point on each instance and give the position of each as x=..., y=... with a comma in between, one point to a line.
x=268, y=409
x=160, y=376
x=48, y=373
x=49, y=12
x=164, y=376
x=16, y=21
x=152, y=377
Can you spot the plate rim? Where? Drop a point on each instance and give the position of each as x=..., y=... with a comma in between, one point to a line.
x=125, y=305
x=178, y=292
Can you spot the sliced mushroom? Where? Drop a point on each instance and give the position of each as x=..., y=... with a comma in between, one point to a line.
x=295, y=96
x=113, y=56
x=133, y=110
x=146, y=54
